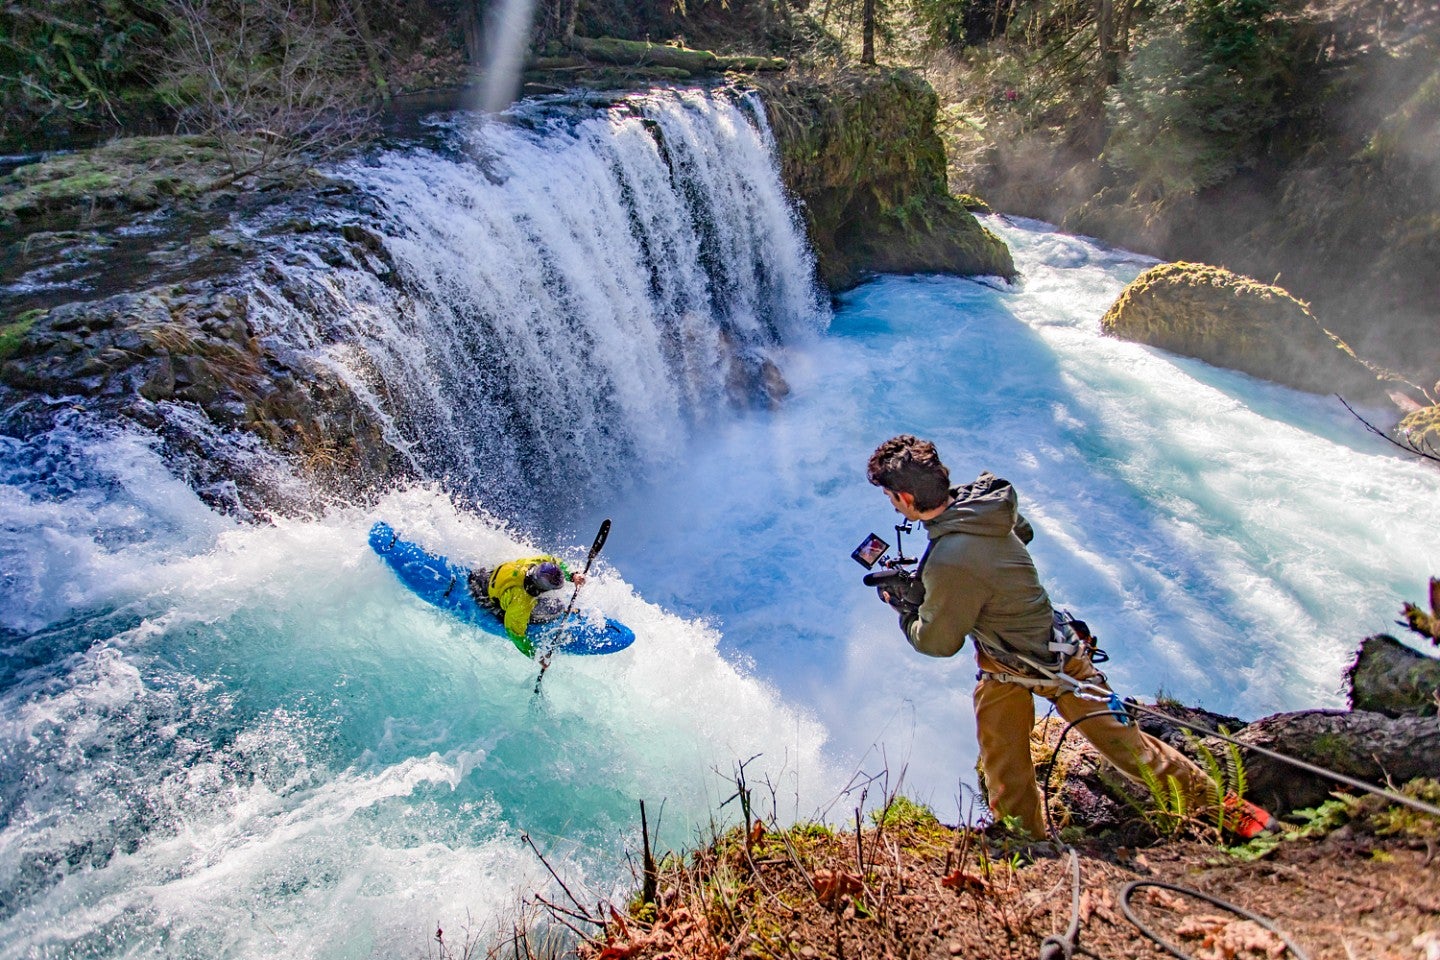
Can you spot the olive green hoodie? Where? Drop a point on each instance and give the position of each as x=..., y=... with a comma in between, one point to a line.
x=979, y=579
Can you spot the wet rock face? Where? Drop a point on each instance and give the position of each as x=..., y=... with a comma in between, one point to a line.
x=147, y=231
x=861, y=154
x=128, y=354
x=1233, y=321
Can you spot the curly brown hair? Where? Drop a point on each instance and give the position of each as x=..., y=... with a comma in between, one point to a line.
x=907, y=464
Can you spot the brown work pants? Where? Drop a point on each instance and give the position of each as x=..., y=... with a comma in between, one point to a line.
x=1005, y=715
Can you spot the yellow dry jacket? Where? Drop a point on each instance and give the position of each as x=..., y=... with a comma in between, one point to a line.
x=507, y=589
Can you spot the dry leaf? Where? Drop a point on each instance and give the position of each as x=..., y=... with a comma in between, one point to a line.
x=961, y=882
x=1225, y=939
x=832, y=886
x=1163, y=898
x=620, y=951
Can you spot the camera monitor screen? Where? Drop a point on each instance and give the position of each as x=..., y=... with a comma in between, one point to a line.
x=872, y=548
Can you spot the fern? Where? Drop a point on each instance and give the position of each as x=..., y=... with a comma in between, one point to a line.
x=1235, y=765
x=1169, y=805
x=1222, y=778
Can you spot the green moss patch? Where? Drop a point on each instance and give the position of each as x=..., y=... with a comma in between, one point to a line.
x=1233, y=321
x=137, y=173
x=1423, y=426
x=13, y=332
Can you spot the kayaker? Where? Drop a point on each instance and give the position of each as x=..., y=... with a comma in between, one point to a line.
x=517, y=592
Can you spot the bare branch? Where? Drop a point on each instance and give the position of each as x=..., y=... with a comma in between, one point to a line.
x=1420, y=448
x=275, y=82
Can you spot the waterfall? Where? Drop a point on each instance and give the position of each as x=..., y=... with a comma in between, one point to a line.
x=559, y=295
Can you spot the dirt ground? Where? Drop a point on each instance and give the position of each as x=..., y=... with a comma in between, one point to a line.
x=918, y=890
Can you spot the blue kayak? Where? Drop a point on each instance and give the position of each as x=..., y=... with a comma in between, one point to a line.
x=436, y=580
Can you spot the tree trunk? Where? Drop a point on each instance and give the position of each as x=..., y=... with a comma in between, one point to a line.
x=1105, y=32
x=472, y=27
x=867, y=33
x=1122, y=29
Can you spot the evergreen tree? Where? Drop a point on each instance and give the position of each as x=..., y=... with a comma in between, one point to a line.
x=1206, y=82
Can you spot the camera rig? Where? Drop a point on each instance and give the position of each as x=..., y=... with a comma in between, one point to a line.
x=893, y=574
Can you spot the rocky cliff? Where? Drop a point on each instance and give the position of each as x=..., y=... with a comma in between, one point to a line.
x=861, y=153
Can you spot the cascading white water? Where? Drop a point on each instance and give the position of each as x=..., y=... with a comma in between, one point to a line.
x=219, y=739
x=573, y=291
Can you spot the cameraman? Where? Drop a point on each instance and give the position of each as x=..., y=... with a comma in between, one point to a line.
x=976, y=578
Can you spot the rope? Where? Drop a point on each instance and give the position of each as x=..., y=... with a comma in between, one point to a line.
x=1391, y=795
x=1053, y=947
x=1090, y=691
x=1134, y=885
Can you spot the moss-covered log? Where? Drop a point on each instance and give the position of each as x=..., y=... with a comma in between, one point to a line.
x=1361, y=744
x=641, y=53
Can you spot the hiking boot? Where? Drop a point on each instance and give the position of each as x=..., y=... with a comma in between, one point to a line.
x=1246, y=820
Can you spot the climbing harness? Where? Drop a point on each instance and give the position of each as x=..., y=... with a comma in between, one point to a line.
x=1069, y=638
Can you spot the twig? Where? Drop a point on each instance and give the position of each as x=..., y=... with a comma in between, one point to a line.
x=578, y=905
x=859, y=845
x=556, y=908
x=647, y=889
x=558, y=915
x=1409, y=447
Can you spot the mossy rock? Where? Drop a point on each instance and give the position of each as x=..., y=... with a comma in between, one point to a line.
x=1233, y=321
x=135, y=173
x=1391, y=678
x=860, y=150
x=972, y=203
x=12, y=333
x=194, y=345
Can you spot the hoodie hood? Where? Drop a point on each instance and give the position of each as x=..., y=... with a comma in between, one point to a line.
x=985, y=508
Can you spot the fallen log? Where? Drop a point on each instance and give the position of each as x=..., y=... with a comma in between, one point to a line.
x=635, y=53
x=1363, y=744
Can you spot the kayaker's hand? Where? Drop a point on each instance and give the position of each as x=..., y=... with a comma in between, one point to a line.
x=577, y=579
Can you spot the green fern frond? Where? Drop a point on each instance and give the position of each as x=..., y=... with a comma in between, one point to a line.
x=1236, y=764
